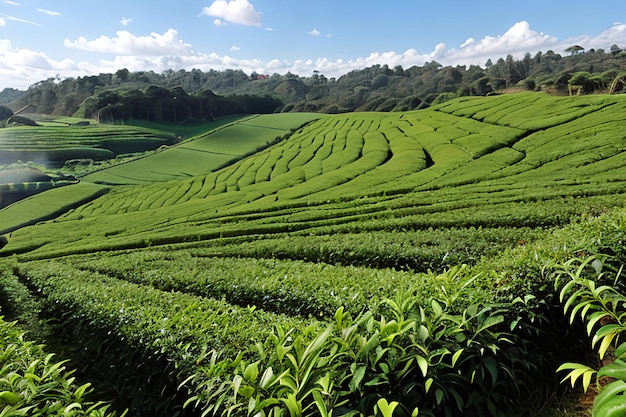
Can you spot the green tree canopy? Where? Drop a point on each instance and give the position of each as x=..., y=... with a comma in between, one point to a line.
x=381, y=80
x=5, y=112
x=575, y=49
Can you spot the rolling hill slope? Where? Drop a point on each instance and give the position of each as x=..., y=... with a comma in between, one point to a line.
x=366, y=257
x=345, y=170
x=229, y=141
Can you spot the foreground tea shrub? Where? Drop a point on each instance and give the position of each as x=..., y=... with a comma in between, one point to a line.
x=592, y=291
x=408, y=356
x=33, y=383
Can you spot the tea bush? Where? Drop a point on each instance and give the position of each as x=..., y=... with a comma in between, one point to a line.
x=33, y=383
x=184, y=274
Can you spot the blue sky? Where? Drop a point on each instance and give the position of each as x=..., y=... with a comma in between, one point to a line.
x=40, y=39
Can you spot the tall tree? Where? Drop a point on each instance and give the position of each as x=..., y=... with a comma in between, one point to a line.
x=575, y=50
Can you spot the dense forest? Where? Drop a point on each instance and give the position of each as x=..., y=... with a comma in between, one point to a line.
x=180, y=96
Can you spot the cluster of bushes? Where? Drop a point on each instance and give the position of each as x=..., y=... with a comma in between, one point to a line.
x=33, y=383
x=481, y=340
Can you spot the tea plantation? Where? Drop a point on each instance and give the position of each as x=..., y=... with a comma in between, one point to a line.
x=53, y=145
x=438, y=262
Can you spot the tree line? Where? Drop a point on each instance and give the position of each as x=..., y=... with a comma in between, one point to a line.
x=180, y=96
x=174, y=105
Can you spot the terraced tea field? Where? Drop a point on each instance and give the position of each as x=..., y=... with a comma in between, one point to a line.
x=363, y=261
x=53, y=144
x=222, y=143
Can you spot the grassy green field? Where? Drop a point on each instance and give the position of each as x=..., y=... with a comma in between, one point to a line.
x=217, y=145
x=363, y=261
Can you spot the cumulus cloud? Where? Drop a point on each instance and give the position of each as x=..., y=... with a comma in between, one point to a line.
x=235, y=48
x=160, y=52
x=126, y=21
x=25, y=67
x=49, y=12
x=219, y=22
x=127, y=44
x=516, y=41
x=519, y=39
x=316, y=32
x=204, y=62
x=234, y=11
x=615, y=34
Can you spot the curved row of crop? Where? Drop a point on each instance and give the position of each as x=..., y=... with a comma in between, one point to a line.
x=335, y=156
x=256, y=273
x=442, y=344
x=526, y=111
x=399, y=190
x=319, y=154
x=455, y=328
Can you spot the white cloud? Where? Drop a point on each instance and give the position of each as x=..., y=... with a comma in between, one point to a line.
x=160, y=52
x=161, y=63
x=275, y=64
x=3, y=22
x=6, y=17
x=234, y=11
x=49, y=12
x=615, y=34
x=219, y=22
x=316, y=32
x=516, y=41
x=126, y=21
x=235, y=48
x=270, y=29
x=468, y=42
x=12, y=3
x=127, y=44
x=25, y=67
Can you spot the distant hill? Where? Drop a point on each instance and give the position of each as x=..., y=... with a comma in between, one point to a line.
x=524, y=143
x=376, y=88
x=9, y=95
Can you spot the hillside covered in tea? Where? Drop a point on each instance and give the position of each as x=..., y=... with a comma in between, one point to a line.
x=404, y=263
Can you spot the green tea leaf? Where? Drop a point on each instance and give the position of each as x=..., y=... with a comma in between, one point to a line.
x=428, y=384
x=266, y=378
x=456, y=356
x=9, y=397
x=577, y=370
x=386, y=408
x=604, y=400
x=423, y=365
x=615, y=370
x=437, y=309
x=357, y=378
x=490, y=322
x=71, y=407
